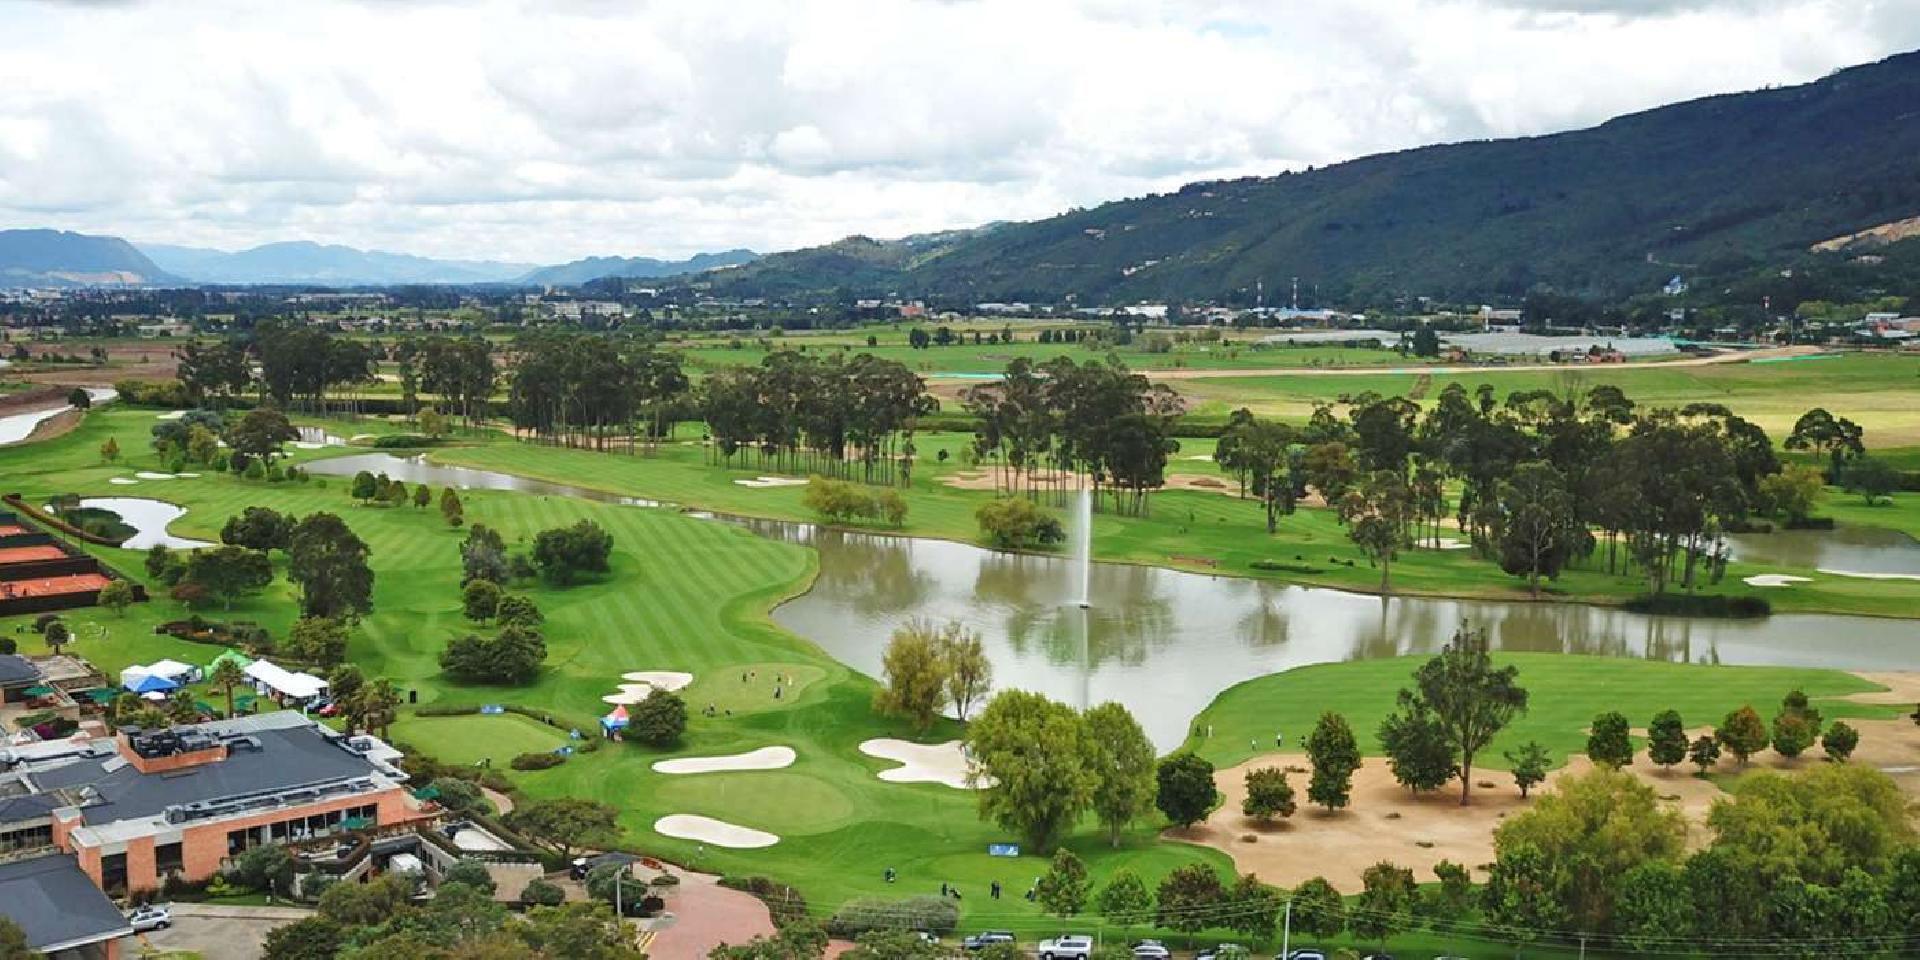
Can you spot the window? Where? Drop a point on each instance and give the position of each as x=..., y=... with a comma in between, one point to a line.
x=168, y=858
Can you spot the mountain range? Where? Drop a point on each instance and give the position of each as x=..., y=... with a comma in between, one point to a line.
x=1706, y=187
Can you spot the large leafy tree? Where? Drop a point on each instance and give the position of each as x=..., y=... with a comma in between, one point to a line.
x=969, y=672
x=259, y=434
x=1185, y=788
x=1125, y=899
x=1470, y=698
x=1377, y=514
x=1538, y=531
x=1122, y=762
x=1386, y=902
x=1037, y=756
x=1318, y=909
x=1667, y=738
x=1063, y=889
x=228, y=572
x=329, y=564
x=1743, y=733
x=916, y=674
x=1188, y=898
x=565, y=553
x=1335, y=755
x=1269, y=794
x=1416, y=746
x=660, y=720
x=258, y=528
x=1608, y=743
x=1593, y=829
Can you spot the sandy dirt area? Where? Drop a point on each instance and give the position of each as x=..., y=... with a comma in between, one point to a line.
x=688, y=826
x=1191, y=373
x=1774, y=580
x=765, y=758
x=1386, y=822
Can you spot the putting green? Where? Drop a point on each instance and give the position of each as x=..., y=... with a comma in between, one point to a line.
x=468, y=739
x=772, y=800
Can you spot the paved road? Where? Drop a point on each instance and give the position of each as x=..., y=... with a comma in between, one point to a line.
x=222, y=932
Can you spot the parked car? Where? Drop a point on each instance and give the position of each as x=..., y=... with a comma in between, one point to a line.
x=981, y=941
x=1306, y=954
x=1151, y=950
x=150, y=917
x=1225, y=951
x=1072, y=946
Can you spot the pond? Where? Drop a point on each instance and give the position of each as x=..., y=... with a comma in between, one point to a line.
x=148, y=518
x=1166, y=642
x=1847, y=548
x=416, y=469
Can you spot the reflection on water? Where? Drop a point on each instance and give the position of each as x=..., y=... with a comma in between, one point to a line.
x=1165, y=642
x=416, y=469
x=1851, y=548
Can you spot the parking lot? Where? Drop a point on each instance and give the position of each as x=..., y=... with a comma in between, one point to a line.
x=221, y=933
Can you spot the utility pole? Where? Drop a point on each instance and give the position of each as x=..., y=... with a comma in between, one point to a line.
x=1286, y=931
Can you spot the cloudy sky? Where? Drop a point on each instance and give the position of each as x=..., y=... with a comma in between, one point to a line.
x=551, y=129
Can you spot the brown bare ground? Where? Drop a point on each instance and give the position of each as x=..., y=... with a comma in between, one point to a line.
x=1386, y=822
x=125, y=361
x=1192, y=373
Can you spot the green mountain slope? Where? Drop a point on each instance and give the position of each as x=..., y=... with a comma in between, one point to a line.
x=57, y=258
x=1709, y=186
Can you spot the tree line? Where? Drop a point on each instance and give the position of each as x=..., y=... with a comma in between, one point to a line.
x=1045, y=427
x=837, y=417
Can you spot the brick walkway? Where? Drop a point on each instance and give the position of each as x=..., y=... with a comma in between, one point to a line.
x=707, y=915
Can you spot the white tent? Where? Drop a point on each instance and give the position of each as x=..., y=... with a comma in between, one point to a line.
x=279, y=680
x=174, y=670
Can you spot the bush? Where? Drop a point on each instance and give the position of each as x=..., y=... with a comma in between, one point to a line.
x=1278, y=566
x=1013, y=522
x=537, y=761
x=785, y=903
x=859, y=915
x=540, y=893
x=1701, y=605
x=403, y=441
x=659, y=720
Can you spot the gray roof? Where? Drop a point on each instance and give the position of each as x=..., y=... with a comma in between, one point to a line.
x=16, y=670
x=56, y=904
x=33, y=806
x=288, y=757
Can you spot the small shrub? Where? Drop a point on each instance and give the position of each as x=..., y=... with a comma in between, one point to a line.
x=536, y=761
x=861, y=914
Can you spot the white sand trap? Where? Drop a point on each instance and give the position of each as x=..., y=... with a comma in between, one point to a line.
x=663, y=679
x=1200, y=458
x=122, y=481
x=763, y=482
x=1871, y=576
x=628, y=694
x=150, y=475
x=170, y=415
x=765, y=758
x=1444, y=543
x=922, y=763
x=1774, y=580
x=308, y=445
x=720, y=833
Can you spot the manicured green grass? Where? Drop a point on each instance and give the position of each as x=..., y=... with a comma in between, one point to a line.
x=465, y=740
x=1565, y=692
x=1185, y=529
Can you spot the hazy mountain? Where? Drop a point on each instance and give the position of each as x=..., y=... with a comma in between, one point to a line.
x=57, y=258
x=1715, y=185
x=638, y=268
x=302, y=262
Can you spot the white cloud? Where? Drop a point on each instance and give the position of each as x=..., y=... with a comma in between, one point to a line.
x=545, y=129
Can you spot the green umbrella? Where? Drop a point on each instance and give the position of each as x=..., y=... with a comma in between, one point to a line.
x=355, y=823
x=102, y=694
x=427, y=793
x=40, y=691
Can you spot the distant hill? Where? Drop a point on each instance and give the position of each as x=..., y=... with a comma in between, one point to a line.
x=57, y=258
x=302, y=262
x=633, y=268
x=1710, y=186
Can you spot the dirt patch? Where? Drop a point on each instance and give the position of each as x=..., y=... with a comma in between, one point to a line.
x=60, y=424
x=36, y=398
x=1386, y=822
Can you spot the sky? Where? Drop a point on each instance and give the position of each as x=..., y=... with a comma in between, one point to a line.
x=547, y=130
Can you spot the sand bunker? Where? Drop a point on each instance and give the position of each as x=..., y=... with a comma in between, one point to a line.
x=1774, y=580
x=663, y=679
x=1443, y=543
x=763, y=482
x=720, y=833
x=765, y=758
x=943, y=763
x=641, y=684
x=122, y=481
x=1871, y=576
x=170, y=415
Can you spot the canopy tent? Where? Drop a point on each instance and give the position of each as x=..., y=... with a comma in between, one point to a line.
x=173, y=670
x=286, y=683
x=101, y=695
x=145, y=683
x=238, y=659
x=615, y=720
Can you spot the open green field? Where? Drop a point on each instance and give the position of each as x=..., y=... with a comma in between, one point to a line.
x=1565, y=693
x=1875, y=390
x=694, y=595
